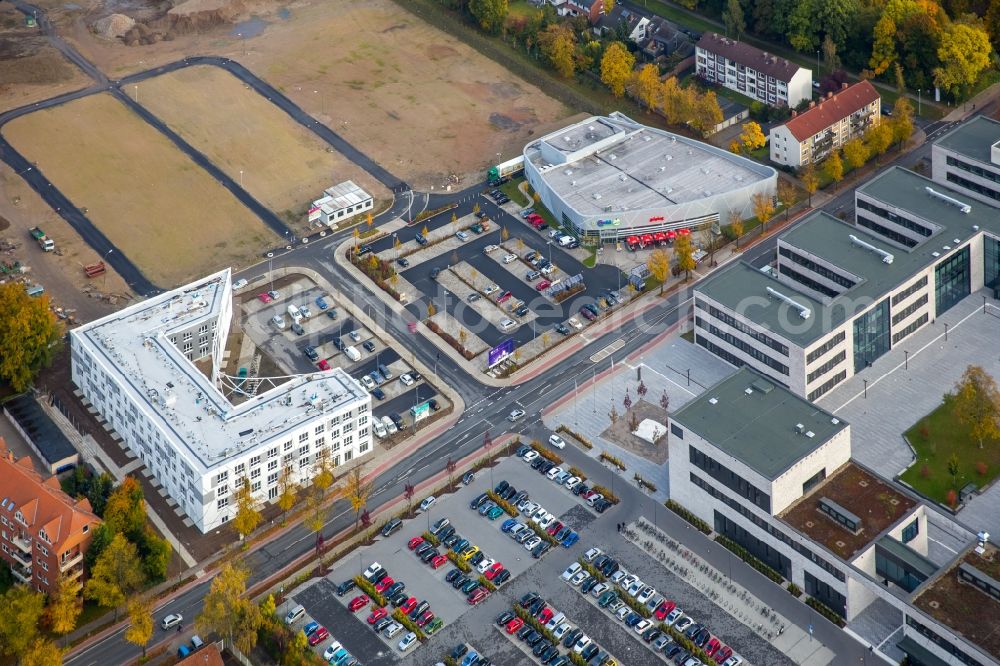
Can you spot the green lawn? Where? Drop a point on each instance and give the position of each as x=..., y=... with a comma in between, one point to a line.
x=591, y=259
x=510, y=189
x=935, y=438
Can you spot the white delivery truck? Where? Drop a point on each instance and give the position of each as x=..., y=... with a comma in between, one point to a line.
x=295, y=314
x=352, y=354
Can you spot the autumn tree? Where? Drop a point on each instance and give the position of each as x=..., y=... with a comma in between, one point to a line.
x=20, y=610
x=752, y=136
x=227, y=612
x=288, y=491
x=706, y=112
x=475, y=209
x=902, y=121
x=646, y=85
x=116, y=574
x=732, y=16
x=42, y=653
x=125, y=514
x=855, y=153
x=684, y=250
x=357, y=491
x=736, y=225
x=975, y=402
x=883, y=45
x=504, y=234
x=140, y=618
x=763, y=208
x=616, y=67
x=64, y=605
x=787, y=194
x=609, y=6
x=833, y=167
x=314, y=518
x=29, y=335
x=558, y=45
x=810, y=181
x=489, y=13
x=830, y=56
x=964, y=52
x=247, y=516
x=670, y=101
x=658, y=264
x=408, y=491
x=878, y=139
x=424, y=231
x=431, y=310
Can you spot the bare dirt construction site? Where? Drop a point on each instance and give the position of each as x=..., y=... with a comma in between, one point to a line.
x=282, y=164
x=421, y=104
x=30, y=69
x=164, y=212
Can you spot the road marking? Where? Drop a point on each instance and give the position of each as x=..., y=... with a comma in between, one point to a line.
x=608, y=351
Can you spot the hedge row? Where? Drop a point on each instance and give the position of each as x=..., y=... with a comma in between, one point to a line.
x=542, y=533
x=369, y=589
x=488, y=584
x=399, y=616
x=503, y=504
x=592, y=570
x=611, y=459
x=685, y=643
x=430, y=538
x=644, y=483
x=794, y=590
x=576, y=471
x=457, y=560
x=634, y=604
x=688, y=516
x=575, y=435
x=535, y=624
x=608, y=495
x=546, y=453
x=753, y=561
x=825, y=611
x=426, y=214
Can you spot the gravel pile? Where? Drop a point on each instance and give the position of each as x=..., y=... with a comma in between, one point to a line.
x=113, y=26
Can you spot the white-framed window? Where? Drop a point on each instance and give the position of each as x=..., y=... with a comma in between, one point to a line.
x=222, y=503
x=319, y=429
x=272, y=479
x=272, y=465
x=272, y=453
x=255, y=473
x=255, y=461
x=255, y=487
x=287, y=446
x=303, y=450
x=240, y=469
x=303, y=462
x=303, y=437
x=222, y=477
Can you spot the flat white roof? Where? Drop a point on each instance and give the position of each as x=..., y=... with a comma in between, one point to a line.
x=341, y=196
x=615, y=165
x=135, y=345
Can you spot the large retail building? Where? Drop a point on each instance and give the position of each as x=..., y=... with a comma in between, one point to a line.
x=611, y=177
x=153, y=372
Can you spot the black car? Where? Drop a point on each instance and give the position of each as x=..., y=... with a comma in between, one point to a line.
x=546, y=466
x=651, y=634
x=399, y=599
x=562, y=328
x=536, y=606
x=521, y=450
x=459, y=582
x=540, y=549
x=571, y=637
x=345, y=587
x=599, y=561
x=420, y=239
x=590, y=651
x=435, y=272
x=550, y=653
x=580, y=488
x=477, y=558
x=525, y=631
x=587, y=585
x=469, y=586
x=702, y=637
x=500, y=487
x=501, y=577
x=339, y=344
x=364, y=249
x=468, y=478
x=541, y=647
x=521, y=495
x=368, y=345
x=527, y=599
x=382, y=623
x=504, y=617
x=397, y=420
x=446, y=532
x=310, y=353
x=419, y=610
x=610, y=567
x=478, y=501
x=508, y=494
x=403, y=261
x=451, y=539
x=423, y=548
x=395, y=589
x=681, y=657
x=430, y=555
x=522, y=311
x=537, y=462
x=459, y=651
x=331, y=313
x=534, y=639
x=432, y=403
x=453, y=575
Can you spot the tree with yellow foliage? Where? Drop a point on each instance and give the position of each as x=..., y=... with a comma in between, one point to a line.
x=706, y=113
x=833, y=167
x=685, y=254
x=964, y=52
x=65, y=605
x=810, y=181
x=140, y=618
x=752, y=136
x=763, y=208
x=647, y=85
x=855, y=153
x=787, y=194
x=736, y=225
x=558, y=44
x=228, y=612
x=29, y=335
x=247, y=516
x=288, y=491
x=616, y=68
x=658, y=264
x=42, y=653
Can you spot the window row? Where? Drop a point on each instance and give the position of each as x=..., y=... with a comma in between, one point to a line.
x=826, y=386
x=825, y=347
x=895, y=218
x=826, y=367
x=909, y=291
x=729, y=478
x=732, y=322
x=743, y=346
x=909, y=309
x=817, y=268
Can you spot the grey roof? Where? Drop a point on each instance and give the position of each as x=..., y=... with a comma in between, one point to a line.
x=742, y=288
x=919, y=563
x=758, y=427
x=750, y=56
x=972, y=139
x=48, y=439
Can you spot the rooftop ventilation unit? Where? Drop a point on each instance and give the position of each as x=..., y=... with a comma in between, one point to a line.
x=835, y=421
x=964, y=207
x=645, y=138
x=596, y=195
x=935, y=254
x=956, y=241
x=799, y=428
x=810, y=434
x=713, y=401
x=705, y=170
x=663, y=168
x=572, y=183
x=886, y=256
x=612, y=157
x=590, y=128
x=669, y=157
x=804, y=312
x=622, y=177
x=748, y=391
x=568, y=172
x=975, y=227
x=946, y=247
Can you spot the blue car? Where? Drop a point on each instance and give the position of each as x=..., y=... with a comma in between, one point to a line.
x=321, y=303
x=508, y=524
x=470, y=658
x=570, y=540
x=310, y=628
x=340, y=657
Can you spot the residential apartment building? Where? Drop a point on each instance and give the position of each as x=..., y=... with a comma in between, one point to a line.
x=968, y=159
x=44, y=533
x=153, y=371
x=809, y=137
x=757, y=74
x=773, y=473
x=839, y=296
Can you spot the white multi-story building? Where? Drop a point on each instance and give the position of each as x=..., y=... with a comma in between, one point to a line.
x=153, y=371
x=968, y=159
x=810, y=136
x=840, y=296
x=759, y=75
x=773, y=473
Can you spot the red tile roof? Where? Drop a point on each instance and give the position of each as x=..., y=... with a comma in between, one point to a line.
x=207, y=656
x=42, y=502
x=832, y=110
x=749, y=56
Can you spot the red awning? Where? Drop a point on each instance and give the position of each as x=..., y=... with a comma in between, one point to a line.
x=659, y=236
x=632, y=240
x=647, y=238
x=671, y=235
x=684, y=232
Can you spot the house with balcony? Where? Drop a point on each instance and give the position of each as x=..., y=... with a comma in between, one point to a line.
x=759, y=75
x=809, y=137
x=44, y=533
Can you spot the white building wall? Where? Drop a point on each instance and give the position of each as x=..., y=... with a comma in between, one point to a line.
x=787, y=488
x=800, y=87
x=785, y=148
x=940, y=170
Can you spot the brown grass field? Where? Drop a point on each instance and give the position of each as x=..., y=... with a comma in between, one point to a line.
x=421, y=104
x=164, y=212
x=285, y=166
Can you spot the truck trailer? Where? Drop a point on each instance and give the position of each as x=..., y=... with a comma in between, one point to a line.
x=504, y=171
x=43, y=241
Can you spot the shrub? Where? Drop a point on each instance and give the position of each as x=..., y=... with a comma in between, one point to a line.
x=825, y=611
x=401, y=617
x=488, y=584
x=576, y=471
x=982, y=468
x=643, y=483
x=683, y=641
x=924, y=431
x=448, y=661
x=794, y=590
x=548, y=538
x=688, y=516
x=577, y=660
x=455, y=344
x=503, y=504
x=635, y=605
x=607, y=457
x=951, y=498
x=591, y=569
x=546, y=453
x=535, y=624
x=458, y=561
x=575, y=435
x=433, y=540
x=369, y=589
x=608, y=495
x=423, y=215
x=745, y=555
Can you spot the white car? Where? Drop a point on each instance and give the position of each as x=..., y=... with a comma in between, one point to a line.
x=549, y=270
x=672, y=617
x=368, y=382
x=733, y=661
x=617, y=576
x=490, y=288
x=392, y=630
x=642, y=626
x=462, y=236
x=172, y=620
x=406, y=379
x=379, y=429
x=239, y=284
x=355, y=336
x=546, y=520
x=530, y=456
x=581, y=643
x=634, y=588
x=572, y=482
x=553, y=473
x=571, y=571
x=579, y=578
x=555, y=233
x=278, y=321
x=509, y=258
x=485, y=564
x=306, y=312
x=561, y=630
x=532, y=542
x=592, y=500
x=592, y=554
x=557, y=441
x=410, y=639
x=330, y=651
x=529, y=509
x=490, y=248
x=683, y=623
x=645, y=594
x=575, y=323
x=599, y=589
x=515, y=415
x=623, y=613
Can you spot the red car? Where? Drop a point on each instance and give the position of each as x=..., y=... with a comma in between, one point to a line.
x=319, y=636
x=377, y=615
x=545, y=615
x=264, y=298
x=323, y=365
x=384, y=584
x=357, y=603
x=408, y=605
x=438, y=561
x=414, y=542
x=492, y=572
x=554, y=528
x=725, y=653
x=543, y=285
x=424, y=618
x=713, y=646
x=514, y=625
x=663, y=610
x=478, y=596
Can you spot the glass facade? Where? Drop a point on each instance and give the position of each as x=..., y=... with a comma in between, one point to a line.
x=897, y=570
x=871, y=336
x=991, y=264
x=759, y=549
x=952, y=281
x=823, y=592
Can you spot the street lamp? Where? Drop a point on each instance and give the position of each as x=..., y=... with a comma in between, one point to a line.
x=136, y=94
x=241, y=179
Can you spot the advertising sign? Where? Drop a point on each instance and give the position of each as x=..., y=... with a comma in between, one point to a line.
x=421, y=411
x=314, y=213
x=612, y=223
x=500, y=352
